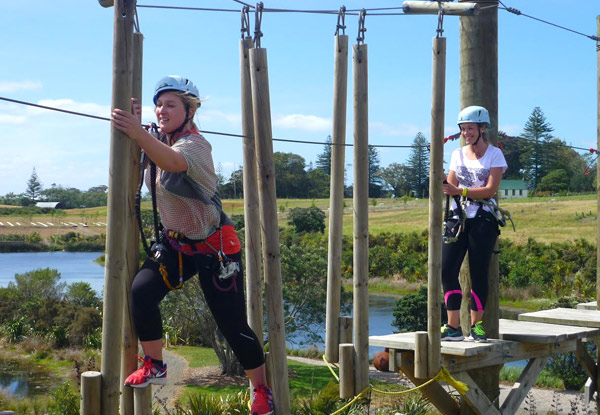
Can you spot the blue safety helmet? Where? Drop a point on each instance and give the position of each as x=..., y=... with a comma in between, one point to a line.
x=175, y=83
x=476, y=114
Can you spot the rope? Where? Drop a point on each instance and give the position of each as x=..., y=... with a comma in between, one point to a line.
x=330, y=367
x=442, y=376
x=245, y=22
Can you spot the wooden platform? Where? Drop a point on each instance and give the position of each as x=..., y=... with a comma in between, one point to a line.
x=529, y=340
x=566, y=316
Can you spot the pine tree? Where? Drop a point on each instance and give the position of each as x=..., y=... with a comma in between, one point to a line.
x=375, y=181
x=418, y=163
x=324, y=159
x=537, y=155
x=34, y=187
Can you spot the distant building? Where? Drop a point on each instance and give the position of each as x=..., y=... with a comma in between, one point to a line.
x=511, y=189
x=49, y=205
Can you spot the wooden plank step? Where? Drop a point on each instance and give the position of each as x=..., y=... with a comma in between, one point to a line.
x=406, y=341
x=565, y=316
x=544, y=333
x=592, y=305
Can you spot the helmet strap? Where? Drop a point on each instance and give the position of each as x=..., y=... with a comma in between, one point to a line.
x=179, y=129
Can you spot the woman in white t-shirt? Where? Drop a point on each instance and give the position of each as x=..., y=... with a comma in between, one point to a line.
x=475, y=174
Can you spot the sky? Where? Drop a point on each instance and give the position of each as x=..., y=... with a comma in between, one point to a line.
x=59, y=54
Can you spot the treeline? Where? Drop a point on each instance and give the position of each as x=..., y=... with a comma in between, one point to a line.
x=70, y=241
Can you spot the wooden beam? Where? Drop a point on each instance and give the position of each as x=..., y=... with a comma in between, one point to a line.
x=522, y=386
x=475, y=397
x=434, y=392
x=586, y=361
x=430, y=7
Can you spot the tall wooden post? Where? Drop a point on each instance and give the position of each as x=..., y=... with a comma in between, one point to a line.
x=479, y=86
x=254, y=304
x=436, y=171
x=118, y=188
x=361, y=217
x=129, y=360
x=270, y=234
x=598, y=203
x=336, y=199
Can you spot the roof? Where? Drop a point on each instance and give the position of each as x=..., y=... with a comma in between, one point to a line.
x=49, y=205
x=512, y=184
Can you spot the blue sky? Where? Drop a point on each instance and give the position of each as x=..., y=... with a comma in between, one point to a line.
x=59, y=54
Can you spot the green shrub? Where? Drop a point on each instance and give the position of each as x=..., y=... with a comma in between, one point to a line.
x=410, y=312
x=311, y=219
x=566, y=367
x=64, y=401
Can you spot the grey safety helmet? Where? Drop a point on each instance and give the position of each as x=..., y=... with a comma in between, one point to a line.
x=175, y=83
x=476, y=114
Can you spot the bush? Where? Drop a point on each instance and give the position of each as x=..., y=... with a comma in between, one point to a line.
x=566, y=367
x=311, y=219
x=410, y=312
x=64, y=401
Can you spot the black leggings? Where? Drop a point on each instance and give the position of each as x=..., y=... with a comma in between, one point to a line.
x=479, y=238
x=224, y=298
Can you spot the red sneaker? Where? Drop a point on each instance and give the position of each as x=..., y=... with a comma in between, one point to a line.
x=148, y=374
x=262, y=404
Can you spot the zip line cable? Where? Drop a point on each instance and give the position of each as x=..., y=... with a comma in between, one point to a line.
x=356, y=12
x=519, y=13
x=203, y=131
x=446, y=139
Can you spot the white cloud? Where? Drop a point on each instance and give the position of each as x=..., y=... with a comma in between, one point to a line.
x=303, y=122
x=19, y=86
x=12, y=119
x=214, y=116
x=400, y=130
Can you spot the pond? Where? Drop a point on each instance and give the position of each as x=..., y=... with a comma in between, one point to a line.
x=21, y=379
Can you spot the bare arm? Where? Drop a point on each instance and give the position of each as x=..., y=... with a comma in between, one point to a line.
x=164, y=156
x=485, y=192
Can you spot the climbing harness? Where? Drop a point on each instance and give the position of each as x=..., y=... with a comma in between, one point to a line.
x=166, y=241
x=451, y=233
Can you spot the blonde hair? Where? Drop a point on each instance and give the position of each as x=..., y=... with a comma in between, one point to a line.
x=189, y=102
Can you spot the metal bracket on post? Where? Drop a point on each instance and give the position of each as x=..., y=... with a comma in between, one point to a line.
x=341, y=21
x=361, y=27
x=440, y=26
x=245, y=22
x=257, y=22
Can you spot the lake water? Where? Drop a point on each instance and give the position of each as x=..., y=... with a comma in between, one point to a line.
x=73, y=266
x=80, y=266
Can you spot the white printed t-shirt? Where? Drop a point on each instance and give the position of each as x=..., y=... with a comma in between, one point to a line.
x=475, y=173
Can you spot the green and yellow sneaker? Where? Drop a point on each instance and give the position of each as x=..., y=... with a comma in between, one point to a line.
x=478, y=333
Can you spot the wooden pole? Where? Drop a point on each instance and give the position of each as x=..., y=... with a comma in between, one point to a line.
x=361, y=217
x=479, y=86
x=143, y=401
x=346, y=354
x=336, y=199
x=421, y=355
x=90, y=393
x=436, y=172
x=254, y=305
x=270, y=234
x=118, y=188
x=132, y=235
x=598, y=204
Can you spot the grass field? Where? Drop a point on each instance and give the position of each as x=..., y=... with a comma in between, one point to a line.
x=544, y=219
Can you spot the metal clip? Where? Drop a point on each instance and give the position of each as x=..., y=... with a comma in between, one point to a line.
x=341, y=21
x=258, y=11
x=440, y=26
x=245, y=22
x=361, y=27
